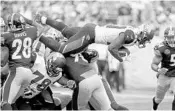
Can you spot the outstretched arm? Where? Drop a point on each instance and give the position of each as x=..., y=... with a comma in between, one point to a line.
x=115, y=45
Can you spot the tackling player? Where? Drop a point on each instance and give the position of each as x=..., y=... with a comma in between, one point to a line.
x=115, y=37
x=51, y=73
x=19, y=41
x=165, y=55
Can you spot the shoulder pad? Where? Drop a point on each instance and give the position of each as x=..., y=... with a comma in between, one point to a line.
x=159, y=49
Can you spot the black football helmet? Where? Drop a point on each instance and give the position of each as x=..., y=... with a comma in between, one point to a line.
x=55, y=63
x=90, y=55
x=169, y=35
x=144, y=35
x=16, y=22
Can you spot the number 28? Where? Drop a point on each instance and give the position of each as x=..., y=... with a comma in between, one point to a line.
x=25, y=45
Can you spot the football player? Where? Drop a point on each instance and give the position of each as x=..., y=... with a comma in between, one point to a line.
x=90, y=33
x=19, y=41
x=4, y=55
x=51, y=73
x=164, y=55
x=85, y=76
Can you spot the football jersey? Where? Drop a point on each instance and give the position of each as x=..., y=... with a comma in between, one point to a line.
x=77, y=71
x=41, y=79
x=105, y=35
x=168, y=56
x=20, y=46
x=37, y=87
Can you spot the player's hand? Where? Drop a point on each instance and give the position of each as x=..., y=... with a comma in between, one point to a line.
x=39, y=18
x=71, y=84
x=162, y=71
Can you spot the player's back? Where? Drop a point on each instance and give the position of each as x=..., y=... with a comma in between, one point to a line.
x=20, y=46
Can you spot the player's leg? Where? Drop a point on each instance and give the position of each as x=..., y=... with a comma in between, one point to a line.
x=10, y=85
x=48, y=99
x=83, y=92
x=81, y=95
x=114, y=104
x=100, y=95
x=14, y=86
x=172, y=87
x=64, y=99
x=162, y=87
x=173, y=104
x=80, y=40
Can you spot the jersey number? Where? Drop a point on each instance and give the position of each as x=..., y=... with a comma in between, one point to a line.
x=22, y=44
x=45, y=83
x=172, y=60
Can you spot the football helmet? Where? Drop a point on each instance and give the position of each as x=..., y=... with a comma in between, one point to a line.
x=129, y=37
x=144, y=34
x=55, y=63
x=16, y=22
x=169, y=35
x=90, y=55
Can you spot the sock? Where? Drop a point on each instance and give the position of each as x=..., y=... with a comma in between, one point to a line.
x=155, y=105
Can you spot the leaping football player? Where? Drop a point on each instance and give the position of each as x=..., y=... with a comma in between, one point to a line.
x=91, y=33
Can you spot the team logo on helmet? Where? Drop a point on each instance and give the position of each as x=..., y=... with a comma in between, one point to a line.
x=167, y=52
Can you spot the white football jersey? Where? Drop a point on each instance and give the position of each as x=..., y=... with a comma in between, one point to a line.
x=105, y=35
x=41, y=80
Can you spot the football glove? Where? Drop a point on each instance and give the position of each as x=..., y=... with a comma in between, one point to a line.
x=40, y=19
x=71, y=84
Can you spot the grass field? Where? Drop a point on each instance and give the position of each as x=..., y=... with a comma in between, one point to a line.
x=135, y=99
x=142, y=99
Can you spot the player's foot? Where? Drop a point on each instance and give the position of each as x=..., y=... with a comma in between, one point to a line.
x=155, y=105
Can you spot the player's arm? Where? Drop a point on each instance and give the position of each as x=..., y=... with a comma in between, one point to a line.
x=66, y=82
x=156, y=61
x=115, y=45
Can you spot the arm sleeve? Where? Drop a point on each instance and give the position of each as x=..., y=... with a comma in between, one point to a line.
x=50, y=43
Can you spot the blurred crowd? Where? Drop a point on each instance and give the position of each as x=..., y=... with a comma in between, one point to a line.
x=102, y=12
x=77, y=13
